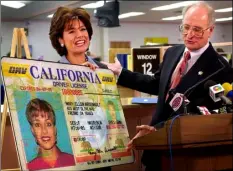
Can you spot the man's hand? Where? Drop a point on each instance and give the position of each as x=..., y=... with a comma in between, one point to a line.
x=115, y=67
x=142, y=130
x=90, y=65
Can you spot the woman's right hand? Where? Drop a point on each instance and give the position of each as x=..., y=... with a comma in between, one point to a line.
x=90, y=65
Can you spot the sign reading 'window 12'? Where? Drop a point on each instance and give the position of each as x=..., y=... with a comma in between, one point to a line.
x=145, y=60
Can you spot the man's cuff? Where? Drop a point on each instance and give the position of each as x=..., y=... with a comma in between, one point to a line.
x=117, y=76
x=159, y=125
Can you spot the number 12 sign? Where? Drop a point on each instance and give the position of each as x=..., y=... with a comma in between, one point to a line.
x=145, y=60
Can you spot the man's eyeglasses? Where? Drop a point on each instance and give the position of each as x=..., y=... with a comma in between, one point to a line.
x=197, y=31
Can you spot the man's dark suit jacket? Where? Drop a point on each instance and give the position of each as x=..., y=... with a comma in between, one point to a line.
x=213, y=66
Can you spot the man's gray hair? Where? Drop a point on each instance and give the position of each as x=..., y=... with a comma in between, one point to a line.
x=211, y=12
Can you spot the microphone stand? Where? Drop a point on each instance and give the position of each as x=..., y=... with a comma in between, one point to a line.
x=172, y=92
x=185, y=106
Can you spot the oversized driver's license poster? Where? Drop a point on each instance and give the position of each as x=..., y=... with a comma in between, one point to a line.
x=65, y=117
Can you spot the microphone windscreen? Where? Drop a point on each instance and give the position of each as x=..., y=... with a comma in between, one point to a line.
x=227, y=87
x=208, y=84
x=230, y=94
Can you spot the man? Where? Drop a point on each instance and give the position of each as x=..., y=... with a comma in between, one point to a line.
x=185, y=69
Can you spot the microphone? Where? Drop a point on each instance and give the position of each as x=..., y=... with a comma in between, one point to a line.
x=184, y=100
x=215, y=111
x=203, y=110
x=222, y=110
x=216, y=92
x=178, y=100
x=228, y=92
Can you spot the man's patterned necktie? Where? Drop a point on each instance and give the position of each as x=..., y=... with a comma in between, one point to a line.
x=179, y=72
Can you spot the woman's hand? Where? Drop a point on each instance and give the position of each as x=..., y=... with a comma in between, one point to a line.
x=90, y=65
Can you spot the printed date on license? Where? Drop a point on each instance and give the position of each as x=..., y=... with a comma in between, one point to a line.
x=71, y=92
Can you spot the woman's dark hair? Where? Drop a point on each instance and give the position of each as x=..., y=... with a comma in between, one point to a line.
x=61, y=17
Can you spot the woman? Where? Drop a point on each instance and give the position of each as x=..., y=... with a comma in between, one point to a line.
x=42, y=120
x=70, y=34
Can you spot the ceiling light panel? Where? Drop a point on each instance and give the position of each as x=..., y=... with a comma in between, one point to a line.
x=224, y=19
x=173, y=6
x=130, y=14
x=179, y=17
x=13, y=4
x=94, y=5
x=224, y=10
x=50, y=16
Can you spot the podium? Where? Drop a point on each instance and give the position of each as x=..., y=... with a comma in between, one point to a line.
x=198, y=143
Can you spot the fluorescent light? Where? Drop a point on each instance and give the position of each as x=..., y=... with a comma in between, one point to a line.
x=50, y=16
x=13, y=4
x=224, y=19
x=179, y=17
x=94, y=5
x=173, y=6
x=130, y=14
x=224, y=10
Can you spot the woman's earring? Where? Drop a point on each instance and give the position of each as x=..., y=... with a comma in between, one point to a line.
x=62, y=45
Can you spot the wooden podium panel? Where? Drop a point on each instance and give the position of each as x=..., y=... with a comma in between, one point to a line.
x=190, y=131
x=199, y=143
x=215, y=158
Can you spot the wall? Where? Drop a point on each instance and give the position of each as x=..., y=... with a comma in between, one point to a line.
x=135, y=32
x=38, y=37
x=6, y=34
x=227, y=32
